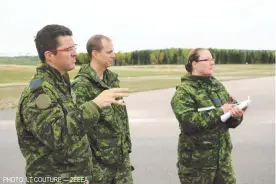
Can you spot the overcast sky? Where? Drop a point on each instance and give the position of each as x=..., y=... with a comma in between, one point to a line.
x=142, y=24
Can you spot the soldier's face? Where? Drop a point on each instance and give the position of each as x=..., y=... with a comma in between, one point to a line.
x=65, y=58
x=205, y=65
x=106, y=56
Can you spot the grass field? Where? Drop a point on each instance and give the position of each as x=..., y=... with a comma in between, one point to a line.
x=136, y=78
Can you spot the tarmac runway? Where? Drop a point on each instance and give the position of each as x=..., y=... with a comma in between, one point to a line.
x=154, y=132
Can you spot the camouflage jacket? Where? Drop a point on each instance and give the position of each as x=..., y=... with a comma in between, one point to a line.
x=109, y=137
x=204, y=140
x=51, y=128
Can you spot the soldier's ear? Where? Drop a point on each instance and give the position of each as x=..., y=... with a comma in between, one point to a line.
x=94, y=54
x=48, y=56
x=193, y=64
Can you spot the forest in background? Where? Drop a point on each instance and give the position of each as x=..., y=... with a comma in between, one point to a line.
x=165, y=56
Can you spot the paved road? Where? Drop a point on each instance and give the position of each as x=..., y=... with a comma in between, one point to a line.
x=155, y=131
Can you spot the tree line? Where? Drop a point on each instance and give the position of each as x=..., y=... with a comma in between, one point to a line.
x=166, y=56
x=179, y=56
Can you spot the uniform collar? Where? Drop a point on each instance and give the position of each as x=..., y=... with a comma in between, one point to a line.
x=62, y=80
x=90, y=73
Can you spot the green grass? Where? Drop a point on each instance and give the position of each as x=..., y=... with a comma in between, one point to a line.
x=18, y=73
x=148, y=77
x=18, y=61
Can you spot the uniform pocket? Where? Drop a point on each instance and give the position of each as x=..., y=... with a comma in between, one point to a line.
x=75, y=158
x=205, y=145
x=109, y=151
x=205, y=155
x=184, y=155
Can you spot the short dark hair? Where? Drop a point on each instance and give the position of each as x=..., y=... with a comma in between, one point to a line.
x=47, y=38
x=95, y=43
x=193, y=56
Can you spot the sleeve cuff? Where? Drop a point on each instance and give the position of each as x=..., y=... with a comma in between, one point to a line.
x=96, y=106
x=91, y=113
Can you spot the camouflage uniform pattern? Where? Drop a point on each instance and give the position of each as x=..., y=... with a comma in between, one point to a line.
x=51, y=128
x=204, y=147
x=109, y=137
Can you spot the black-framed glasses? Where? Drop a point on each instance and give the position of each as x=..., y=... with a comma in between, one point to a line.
x=209, y=59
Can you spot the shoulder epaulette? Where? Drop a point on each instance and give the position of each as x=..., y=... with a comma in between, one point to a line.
x=36, y=83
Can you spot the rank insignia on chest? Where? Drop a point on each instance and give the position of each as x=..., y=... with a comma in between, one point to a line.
x=217, y=101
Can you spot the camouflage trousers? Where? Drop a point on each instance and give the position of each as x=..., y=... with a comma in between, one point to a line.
x=108, y=175
x=224, y=175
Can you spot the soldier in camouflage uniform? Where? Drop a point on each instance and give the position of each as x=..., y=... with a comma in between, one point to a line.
x=204, y=148
x=51, y=128
x=109, y=137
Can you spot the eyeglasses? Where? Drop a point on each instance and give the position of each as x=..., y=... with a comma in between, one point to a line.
x=68, y=49
x=209, y=59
